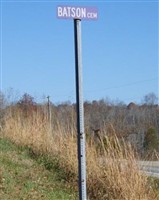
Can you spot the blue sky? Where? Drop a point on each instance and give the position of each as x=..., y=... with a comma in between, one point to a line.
x=120, y=50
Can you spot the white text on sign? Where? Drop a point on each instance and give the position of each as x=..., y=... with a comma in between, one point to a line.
x=69, y=12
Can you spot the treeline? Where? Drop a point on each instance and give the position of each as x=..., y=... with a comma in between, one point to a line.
x=136, y=123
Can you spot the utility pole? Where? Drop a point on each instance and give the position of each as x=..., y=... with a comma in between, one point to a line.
x=49, y=111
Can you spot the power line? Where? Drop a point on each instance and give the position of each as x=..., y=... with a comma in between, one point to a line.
x=123, y=85
x=72, y=92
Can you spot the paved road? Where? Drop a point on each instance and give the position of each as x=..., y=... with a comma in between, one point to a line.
x=150, y=168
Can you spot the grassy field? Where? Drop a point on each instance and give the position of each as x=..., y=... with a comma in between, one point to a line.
x=23, y=177
x=46, y=167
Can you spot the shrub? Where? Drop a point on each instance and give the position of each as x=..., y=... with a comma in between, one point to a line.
x=151, y=141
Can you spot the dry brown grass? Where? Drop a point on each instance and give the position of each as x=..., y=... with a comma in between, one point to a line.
x=116, y=175
x=112, y=171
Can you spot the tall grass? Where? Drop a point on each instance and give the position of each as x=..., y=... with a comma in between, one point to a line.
x=112, y=170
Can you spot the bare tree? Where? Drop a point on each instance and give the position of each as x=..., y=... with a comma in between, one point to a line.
x=150, y=99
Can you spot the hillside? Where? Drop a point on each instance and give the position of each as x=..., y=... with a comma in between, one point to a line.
x=45, y=163
x=23, y=178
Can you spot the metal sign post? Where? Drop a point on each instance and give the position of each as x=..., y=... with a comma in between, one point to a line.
x=77, y=13
x=80, y=111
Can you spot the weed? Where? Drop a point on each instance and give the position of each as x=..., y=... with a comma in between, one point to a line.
x=112, y=170
x=21, y=177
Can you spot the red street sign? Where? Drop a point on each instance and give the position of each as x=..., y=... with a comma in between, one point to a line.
x=77, y=12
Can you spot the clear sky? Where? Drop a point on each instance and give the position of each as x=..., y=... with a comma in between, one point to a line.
x=120, y=50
